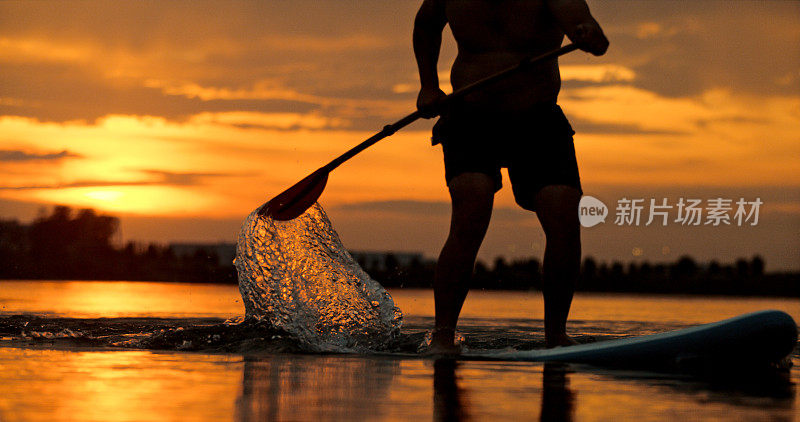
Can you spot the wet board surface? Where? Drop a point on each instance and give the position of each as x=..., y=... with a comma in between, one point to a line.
x=757, y=339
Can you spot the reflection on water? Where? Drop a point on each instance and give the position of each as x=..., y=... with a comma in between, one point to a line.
x=449, y=401
x=558, y=400
x=53, y=385
x=770, y=389
x=312, y=388
x=59, y=385
x=461, y=394
x=631, y=395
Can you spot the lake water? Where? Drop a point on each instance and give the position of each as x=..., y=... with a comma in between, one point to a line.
x=66, y=363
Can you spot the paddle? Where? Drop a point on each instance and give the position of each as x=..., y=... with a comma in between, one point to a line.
x=294, y=201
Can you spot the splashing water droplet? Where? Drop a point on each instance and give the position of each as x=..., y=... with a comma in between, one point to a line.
x=297, y=276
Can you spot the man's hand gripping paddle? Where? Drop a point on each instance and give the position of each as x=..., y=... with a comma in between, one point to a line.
x=294, y=201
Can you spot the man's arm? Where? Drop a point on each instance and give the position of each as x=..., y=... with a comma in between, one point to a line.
x=428, y=26
x=576, y=21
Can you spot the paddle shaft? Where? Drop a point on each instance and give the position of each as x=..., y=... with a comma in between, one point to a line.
x=388, y=130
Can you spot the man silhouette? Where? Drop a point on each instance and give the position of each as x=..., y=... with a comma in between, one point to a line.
x=515, y=123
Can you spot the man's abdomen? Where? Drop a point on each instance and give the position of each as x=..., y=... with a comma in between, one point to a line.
x=520, y=91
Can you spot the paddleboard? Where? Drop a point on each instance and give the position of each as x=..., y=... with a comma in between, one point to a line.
x=754, y=340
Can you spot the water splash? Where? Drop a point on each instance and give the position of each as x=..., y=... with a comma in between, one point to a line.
x=297, y=276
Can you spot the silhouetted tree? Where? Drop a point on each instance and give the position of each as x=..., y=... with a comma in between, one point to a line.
x=742, y=268
x=502, y=275
x=14, y=246
x=757, y=266
x=685, y=268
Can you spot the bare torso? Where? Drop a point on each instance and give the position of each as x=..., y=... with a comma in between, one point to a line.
x=493, y=35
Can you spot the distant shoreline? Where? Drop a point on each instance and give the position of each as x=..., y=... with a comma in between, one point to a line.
x=68, y=245
x=794, y=276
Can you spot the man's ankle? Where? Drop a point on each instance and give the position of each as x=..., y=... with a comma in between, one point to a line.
x=443, y=335
x=558, y=339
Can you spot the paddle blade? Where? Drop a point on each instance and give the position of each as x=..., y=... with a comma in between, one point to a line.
x=294, y=201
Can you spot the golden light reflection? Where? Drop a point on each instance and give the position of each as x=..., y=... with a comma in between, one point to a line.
x=321, y=388
x=112, y=299
x=117, y=386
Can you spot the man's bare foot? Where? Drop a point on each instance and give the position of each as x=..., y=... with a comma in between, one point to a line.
x=559, y=340
x=443, y=350
x=443, y=343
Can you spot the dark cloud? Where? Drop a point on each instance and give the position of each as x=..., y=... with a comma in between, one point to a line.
x=290, y=128
x=162, y=178
x=80, y=184
x=703, y=123
x=185, y=179
x=18, y=155
x=686, y=48
x=55, y=92
x=568, y=85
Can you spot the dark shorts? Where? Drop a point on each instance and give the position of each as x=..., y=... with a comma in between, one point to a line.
x=535, y=145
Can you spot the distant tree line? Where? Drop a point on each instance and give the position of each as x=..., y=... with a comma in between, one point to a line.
x=684, y=276
x=70, y=245
x=78, y=245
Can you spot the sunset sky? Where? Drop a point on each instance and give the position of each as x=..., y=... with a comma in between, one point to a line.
x=182, y=117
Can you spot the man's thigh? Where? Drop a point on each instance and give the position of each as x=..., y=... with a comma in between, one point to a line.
x=557, y=209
